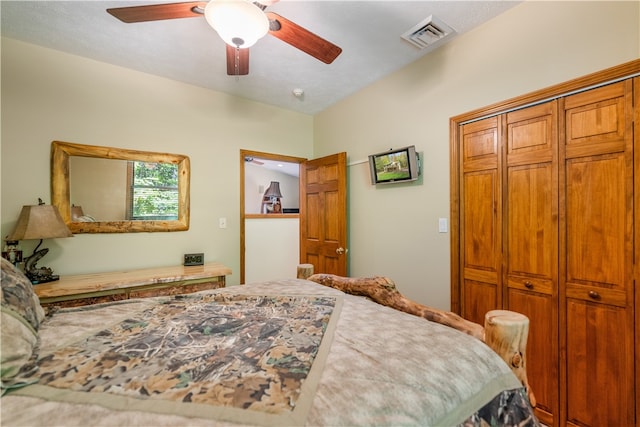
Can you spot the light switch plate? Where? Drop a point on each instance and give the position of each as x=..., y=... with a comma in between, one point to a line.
x=194, y=259
x=442, y=225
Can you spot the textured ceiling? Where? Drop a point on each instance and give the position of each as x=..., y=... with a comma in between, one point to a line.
x=188, y=50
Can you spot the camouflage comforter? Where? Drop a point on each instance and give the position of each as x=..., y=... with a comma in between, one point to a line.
x=262, y=354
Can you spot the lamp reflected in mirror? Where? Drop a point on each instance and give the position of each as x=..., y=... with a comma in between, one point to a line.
x=39, y=222
x=76, y=213
x=271, y=198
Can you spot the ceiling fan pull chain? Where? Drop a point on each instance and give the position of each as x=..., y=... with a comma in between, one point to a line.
x=237, y=63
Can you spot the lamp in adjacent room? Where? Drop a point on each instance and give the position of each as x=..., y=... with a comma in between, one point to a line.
x=39, y=222
x=274, y=195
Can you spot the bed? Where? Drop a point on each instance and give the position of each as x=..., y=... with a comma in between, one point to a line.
x=286, y=352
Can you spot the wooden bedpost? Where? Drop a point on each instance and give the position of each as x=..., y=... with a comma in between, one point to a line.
x=505, y=332
x=304, y=271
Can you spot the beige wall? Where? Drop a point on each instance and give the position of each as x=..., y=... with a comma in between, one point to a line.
x=48, y=95
x=394, y=230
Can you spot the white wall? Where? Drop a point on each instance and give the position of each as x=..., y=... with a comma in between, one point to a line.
x=272, y=248
x=393, y=230
x=48, y=95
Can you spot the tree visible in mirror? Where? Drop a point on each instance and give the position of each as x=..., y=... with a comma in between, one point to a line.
x=154, y=191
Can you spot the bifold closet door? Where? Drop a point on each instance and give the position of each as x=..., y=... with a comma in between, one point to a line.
x=480, y=219
x=531, y=242
x=597, y=257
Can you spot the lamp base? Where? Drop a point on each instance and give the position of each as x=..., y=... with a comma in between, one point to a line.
x=37, y=274
x=40, y=280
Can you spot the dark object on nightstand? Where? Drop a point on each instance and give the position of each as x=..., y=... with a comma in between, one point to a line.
x=194, y=259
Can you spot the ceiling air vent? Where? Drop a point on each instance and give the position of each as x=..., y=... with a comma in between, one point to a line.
x=428, y=32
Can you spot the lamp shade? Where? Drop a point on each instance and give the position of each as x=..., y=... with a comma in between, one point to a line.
x=273, y=190
x=40, y=222
x=238, y=22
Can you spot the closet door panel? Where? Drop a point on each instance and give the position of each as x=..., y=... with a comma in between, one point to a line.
x=480, y=297
x=596, y=121
x=598, y=392
x=542, y=358
x=480, y=219
x=481, y=222
x=597, y=281
x=531, y=256
x=597, y=228
x=532, y=221
x=531, y=242
x=599, y=311
x=481, y=247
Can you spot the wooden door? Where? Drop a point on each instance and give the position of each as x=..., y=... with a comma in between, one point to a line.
x=636, y=226
x=323, y=214
x=531, y=242
x=597, y=258
x=480, y=219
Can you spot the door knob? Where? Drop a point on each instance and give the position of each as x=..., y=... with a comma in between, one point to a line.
x=340, y=250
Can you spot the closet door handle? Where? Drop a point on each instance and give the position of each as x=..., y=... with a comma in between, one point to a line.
x=594, y=295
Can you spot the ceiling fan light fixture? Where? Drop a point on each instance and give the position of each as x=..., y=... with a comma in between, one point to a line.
x=238, y=22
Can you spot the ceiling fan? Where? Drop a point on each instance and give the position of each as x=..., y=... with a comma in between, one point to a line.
x=240, y=24
x=249, y=159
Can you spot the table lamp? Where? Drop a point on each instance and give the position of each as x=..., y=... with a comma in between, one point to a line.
x=274, y=195
x=39, y=222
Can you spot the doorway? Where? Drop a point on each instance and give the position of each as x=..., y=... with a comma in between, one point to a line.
x=269, y=238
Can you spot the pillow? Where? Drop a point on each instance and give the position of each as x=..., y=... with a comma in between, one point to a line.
x=21, y=316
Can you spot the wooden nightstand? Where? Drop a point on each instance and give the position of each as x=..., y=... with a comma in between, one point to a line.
x=85, y=289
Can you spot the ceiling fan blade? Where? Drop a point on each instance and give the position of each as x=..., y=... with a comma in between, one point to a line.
x=237, y=61
x=303, y=39
x=249, y=159
x=157, y=12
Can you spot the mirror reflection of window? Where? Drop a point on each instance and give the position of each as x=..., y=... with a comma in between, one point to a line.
x=120, y=190
x=152, y=191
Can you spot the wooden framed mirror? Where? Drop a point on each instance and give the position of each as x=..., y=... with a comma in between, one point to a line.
x=114, y=190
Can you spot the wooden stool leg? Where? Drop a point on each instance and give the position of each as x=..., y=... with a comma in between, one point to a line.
x=506, y=333
x=304, y=271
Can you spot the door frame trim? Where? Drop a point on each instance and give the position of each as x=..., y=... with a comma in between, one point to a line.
x=260, y=155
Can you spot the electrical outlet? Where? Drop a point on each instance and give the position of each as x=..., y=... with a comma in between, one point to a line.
x=194, y=259
x=222, y=222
